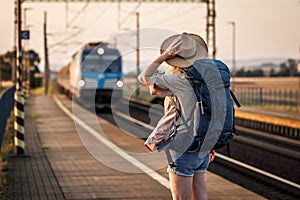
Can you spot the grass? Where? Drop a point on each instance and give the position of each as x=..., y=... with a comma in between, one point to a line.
x=45, y=147
x=7, y=148
x=33, y=116
x=2, y=89
x=39, y=91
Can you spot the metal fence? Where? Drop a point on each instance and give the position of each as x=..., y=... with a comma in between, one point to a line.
x=267, y=96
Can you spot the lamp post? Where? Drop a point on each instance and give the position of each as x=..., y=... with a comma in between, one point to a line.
x=233, y=52
x=26, y=70
x=25, y=17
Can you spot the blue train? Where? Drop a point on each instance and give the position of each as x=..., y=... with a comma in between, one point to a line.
x=94, y=76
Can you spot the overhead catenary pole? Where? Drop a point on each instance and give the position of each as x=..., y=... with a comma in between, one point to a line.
x=14, y=64
x=67, y=15
x=137, y=53
x=119, y=16
x=26, y=71
x=46, y=73
x=19, y=122
x=233, y=53
x=211, y=28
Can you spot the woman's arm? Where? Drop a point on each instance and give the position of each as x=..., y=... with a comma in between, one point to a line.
x=152, y=67
x=149, y=71
x=154, y=90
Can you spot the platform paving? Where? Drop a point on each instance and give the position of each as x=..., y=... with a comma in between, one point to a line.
x=58, y=165
x=31, y=175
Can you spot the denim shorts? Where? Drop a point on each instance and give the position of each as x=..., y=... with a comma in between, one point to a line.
x=189, y=164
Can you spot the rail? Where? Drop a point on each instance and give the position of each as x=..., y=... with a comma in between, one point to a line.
x=259, y=171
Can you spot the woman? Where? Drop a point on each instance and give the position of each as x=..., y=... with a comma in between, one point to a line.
x=186, y=169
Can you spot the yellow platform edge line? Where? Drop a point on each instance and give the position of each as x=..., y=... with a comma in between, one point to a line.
x=267, y=119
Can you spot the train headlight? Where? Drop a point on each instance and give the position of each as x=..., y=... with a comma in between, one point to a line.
x=100, y=51
x=120, y=83
x=81, y=83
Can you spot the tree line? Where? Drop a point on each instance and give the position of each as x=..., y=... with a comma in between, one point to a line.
x=7, y=63
x=287, y=68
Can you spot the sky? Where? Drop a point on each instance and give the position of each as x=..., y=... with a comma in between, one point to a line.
x=265, y=29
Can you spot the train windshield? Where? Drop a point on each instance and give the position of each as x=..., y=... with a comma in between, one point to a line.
x=101, y=63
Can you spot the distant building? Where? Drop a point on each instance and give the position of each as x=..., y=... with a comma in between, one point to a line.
x=265, y=69
x=270, y=68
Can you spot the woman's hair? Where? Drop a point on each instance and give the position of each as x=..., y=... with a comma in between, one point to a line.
x=183, y=71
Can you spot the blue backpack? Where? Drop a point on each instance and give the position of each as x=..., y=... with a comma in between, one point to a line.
x=214, y=113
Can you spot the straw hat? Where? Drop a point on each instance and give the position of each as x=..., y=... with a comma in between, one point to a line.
x=192, y=48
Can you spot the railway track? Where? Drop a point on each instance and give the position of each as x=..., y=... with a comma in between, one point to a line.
x=261, y=182
x=260, y=162
x=264, y=156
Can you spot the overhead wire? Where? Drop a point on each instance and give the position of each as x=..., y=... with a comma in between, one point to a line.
x=174, y=16
x=79, y=12
x=80, y=31
x=68, y=39
x=63, y=41
x=97, y=17
x=133, y=11
x=161, y=8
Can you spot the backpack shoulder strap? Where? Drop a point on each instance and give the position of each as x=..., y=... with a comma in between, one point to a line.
x=180, y=115
x=235, y=99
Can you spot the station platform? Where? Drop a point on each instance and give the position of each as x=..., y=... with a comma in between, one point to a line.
x=284, y=118
x=64, y=160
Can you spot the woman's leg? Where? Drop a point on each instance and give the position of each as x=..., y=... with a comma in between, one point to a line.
x=199, y=187
x=181, y=186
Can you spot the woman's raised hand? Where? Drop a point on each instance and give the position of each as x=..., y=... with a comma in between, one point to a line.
x=173, y=48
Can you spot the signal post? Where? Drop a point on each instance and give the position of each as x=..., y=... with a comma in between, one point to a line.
x=19, y=100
